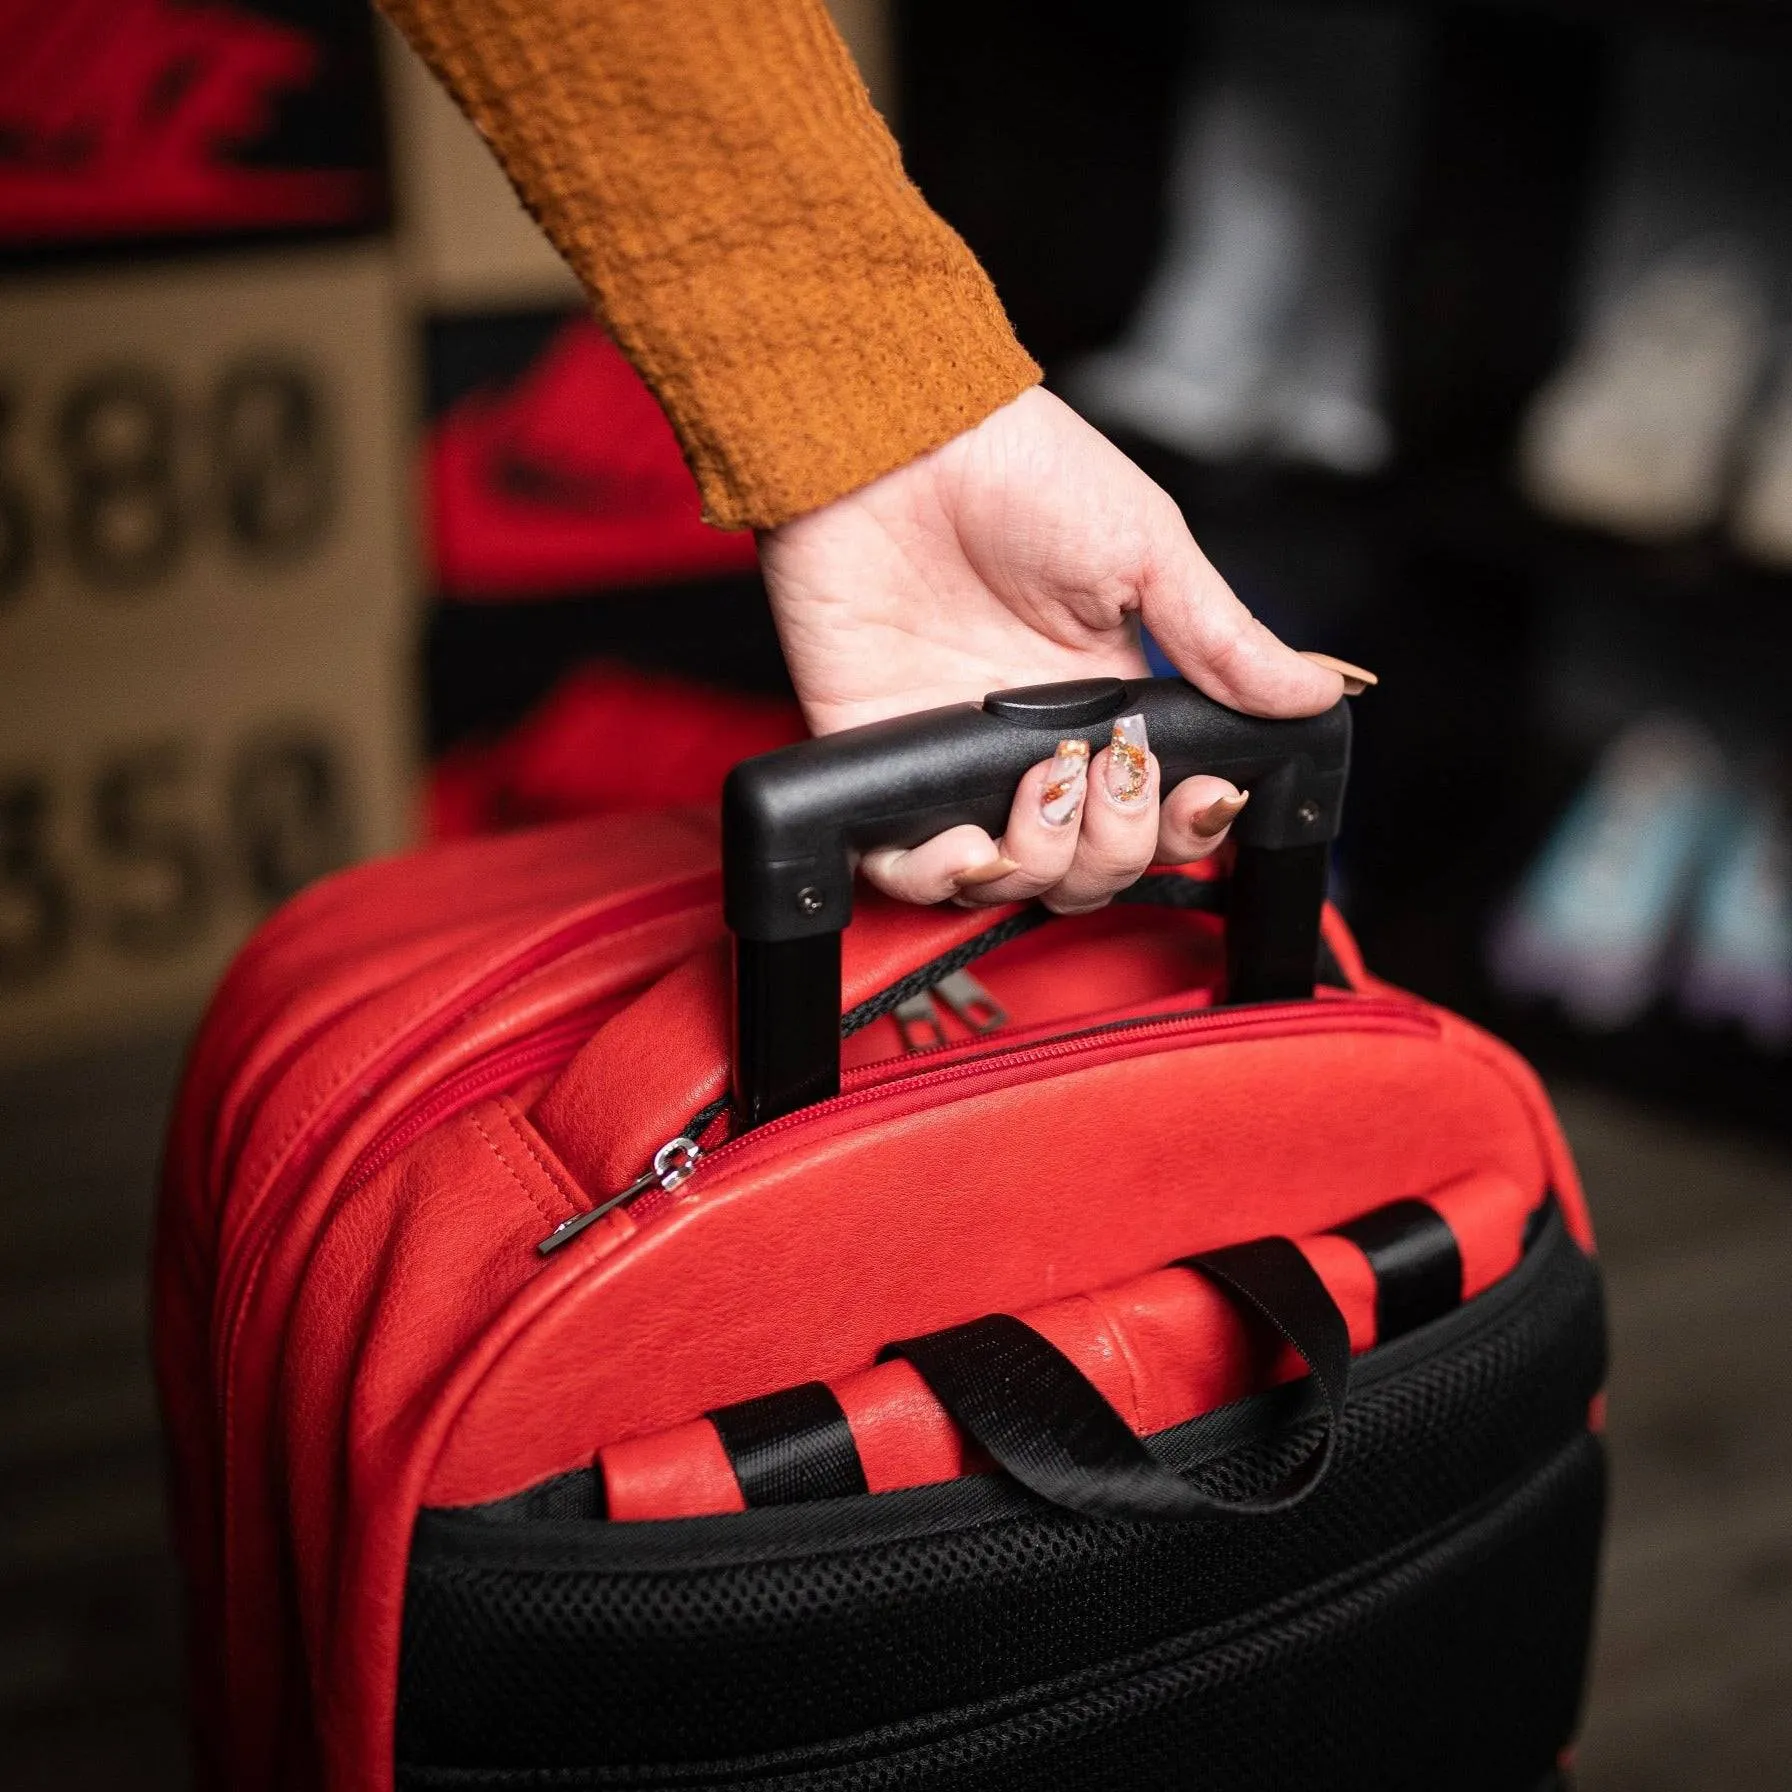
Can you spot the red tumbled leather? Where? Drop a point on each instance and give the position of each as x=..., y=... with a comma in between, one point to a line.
x=1162, y=1349
x=422, y=1067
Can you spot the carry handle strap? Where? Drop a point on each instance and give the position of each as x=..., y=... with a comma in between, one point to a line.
x=1043, y=1421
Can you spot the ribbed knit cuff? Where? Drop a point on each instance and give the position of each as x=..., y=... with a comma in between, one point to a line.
x=793, y=376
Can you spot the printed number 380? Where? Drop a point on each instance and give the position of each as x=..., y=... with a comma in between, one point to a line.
x=127, y=512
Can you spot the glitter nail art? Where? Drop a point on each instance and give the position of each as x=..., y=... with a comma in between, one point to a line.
x=1129, y=770
x=1065, y=783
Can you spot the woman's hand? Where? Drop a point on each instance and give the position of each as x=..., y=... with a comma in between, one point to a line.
x=1025, y=551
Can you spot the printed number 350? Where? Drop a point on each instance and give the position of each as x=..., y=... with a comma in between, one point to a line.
x=149, y=881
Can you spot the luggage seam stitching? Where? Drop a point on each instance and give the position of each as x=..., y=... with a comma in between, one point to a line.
x=508, y=1109
x=515, y=1174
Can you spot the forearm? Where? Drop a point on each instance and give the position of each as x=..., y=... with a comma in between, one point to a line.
x=716, y=176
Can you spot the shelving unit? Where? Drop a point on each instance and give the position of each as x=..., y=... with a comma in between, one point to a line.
x=1509, y=647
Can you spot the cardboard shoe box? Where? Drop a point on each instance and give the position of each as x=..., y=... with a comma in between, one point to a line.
x=154, y=807
x=208, y=617
x=215, y=446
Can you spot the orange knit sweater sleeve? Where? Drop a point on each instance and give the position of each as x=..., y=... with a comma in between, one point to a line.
x=714, y=172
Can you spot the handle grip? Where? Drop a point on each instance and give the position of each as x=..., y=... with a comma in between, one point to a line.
x=792, y=817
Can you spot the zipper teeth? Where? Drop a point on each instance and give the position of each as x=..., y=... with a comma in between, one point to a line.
x=498, y=1069
x=234, y=1291
x=1316, y=1017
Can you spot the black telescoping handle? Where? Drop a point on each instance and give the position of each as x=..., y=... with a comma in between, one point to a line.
x=791, y=819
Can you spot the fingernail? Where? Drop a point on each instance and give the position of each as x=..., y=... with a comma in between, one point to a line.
x=1129, y=769
x=1065, y=781
x=1357, y=679
x=1219, y=816
x=992, y=872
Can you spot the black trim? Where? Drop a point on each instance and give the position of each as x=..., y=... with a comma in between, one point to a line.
x=859, y=1645
x=1157, y=889
x=1418, y=1267
x=791, y=1446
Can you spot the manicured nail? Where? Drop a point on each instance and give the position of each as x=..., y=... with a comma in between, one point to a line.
x=992, y=872
x=1356, y=678
x=1129, y=768
x=1065, y=781
x=1218, y=816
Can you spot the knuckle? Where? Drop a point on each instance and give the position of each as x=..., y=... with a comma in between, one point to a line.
x=1119, y=862
x=1073, y=902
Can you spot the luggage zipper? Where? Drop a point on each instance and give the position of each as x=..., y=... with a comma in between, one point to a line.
x=501, y=1068
x=240, y=1270
x=915, y=1017
x=677, y=1160
x=918, y=1018
x=673, y=1163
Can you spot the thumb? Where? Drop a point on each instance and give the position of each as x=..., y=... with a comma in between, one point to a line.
x=1215, y=642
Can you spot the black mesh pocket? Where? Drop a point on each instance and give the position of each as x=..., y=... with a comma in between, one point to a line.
x=1421, y=1621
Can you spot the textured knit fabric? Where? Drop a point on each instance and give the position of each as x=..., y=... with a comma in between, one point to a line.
x=715, y=174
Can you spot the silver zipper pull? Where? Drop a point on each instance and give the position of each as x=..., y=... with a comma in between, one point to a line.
x=971, y=1002
x=672, y=1164
x=916, y=1018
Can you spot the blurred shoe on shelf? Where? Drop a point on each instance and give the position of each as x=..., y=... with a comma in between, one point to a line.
x=1594, y=919
x=1324, y=409
x=1739, y=949
x=1195, y=370
x=1762, y=524
x=569, y=480
x=580, y=752
x=1637, y=433
x=1260, y=331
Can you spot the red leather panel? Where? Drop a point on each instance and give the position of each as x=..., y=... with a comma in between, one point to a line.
x=903, y=1436
x=332, y=1357
x=682, y=1473
x=1487, y=1215
x=798, y=1255
x=1162, y=1348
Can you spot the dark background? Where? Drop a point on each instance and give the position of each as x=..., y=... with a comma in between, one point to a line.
x=1041, y=129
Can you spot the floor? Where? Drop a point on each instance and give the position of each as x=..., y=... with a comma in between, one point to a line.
x=1695, y=1654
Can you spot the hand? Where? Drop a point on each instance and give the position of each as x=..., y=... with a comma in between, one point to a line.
x=1027, y=550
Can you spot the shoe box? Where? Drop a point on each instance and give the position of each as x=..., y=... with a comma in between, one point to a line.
x=208, y=579
x=560, y=525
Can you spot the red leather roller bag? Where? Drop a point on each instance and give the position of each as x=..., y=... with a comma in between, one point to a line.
x=935, y=1348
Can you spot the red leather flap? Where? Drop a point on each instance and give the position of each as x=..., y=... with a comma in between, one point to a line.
x=648, y=1070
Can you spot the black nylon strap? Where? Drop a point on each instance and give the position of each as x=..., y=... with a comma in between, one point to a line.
x=791, y=1446
x=1043, y=1421
x=1418, y=1267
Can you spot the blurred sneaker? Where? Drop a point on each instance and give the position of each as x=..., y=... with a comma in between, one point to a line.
x=1636, y=434
x=1739, y=955
x=1595, y=917
x=1196, y=369
x=1324, y=407
x=569, y=481
x=1762, y=524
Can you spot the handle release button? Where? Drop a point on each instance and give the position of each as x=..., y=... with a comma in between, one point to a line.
x=1058, y=706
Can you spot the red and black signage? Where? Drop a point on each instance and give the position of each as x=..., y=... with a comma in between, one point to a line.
x=130, y=121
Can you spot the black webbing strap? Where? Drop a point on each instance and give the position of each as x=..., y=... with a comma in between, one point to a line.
x=1418, y=1267
x=791, y=1446
x=1043, y=1421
